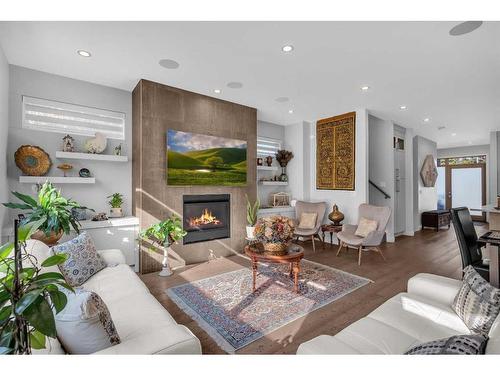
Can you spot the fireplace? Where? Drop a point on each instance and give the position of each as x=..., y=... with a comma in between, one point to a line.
x=206, y=217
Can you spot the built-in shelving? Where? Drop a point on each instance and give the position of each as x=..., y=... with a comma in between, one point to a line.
x=266, y=168
x=274, y=183
x=56, y=180
x=85, y=156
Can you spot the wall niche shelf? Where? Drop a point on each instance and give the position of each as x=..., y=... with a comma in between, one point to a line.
x=266, y=168
x=274, y=183
x=85, y=156
x=56, y=180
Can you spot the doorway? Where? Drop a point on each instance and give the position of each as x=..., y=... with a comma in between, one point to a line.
x=462, y=183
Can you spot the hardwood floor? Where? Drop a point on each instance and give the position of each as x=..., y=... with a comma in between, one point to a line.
x=427, y=251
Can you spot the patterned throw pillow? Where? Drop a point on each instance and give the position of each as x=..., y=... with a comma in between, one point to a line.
x=85, y=326
x=83, y=260
x=477, y=302
x=365, y=226
x=308, y=220
x=461, y=344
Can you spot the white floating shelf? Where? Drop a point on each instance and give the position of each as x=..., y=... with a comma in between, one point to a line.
x=275, y=183
x=266, y=168
x=85, y=156
x=56, y=180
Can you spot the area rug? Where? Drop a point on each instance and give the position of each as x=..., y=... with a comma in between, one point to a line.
x=225, y=307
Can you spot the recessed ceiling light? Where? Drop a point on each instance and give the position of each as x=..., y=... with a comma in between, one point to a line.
x=83, y=53
x=287, y=48
x=427, y=119
x=290, y=111
x=282, y=99
x=465, y=28
x=365, y=88
x=453, y=134
x=403, y=107
x=169, y=64
x=217, y=91
x=441, y=127
x=235, y=85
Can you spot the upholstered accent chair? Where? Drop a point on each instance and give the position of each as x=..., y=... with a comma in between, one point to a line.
x=374, y=239
x=309, y=207
x=470, y=250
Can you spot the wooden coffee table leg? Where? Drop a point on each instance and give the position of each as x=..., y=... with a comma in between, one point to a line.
x=290, y=272
x=296, y=270
x=254, y=272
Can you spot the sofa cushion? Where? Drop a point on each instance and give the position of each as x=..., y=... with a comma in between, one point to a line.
x=85, y=325
x=350, y=238
x=460, y=344
x=365, y=227
x=83, y=260
x=477, y=303
x=308, y=220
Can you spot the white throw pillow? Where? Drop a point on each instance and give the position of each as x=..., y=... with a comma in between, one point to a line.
x=85, y=326
x=308, y=220
x=365, y=226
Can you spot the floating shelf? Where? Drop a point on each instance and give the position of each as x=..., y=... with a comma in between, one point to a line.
x=56, y=180
x=85, y=156
x=266, y=168
x=275, y=183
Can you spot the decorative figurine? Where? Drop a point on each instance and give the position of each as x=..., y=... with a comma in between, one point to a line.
x=259, y=162
x=84, y=172
x=118, y=150
x=269, y=160
x=100, y=217
x=336, y=216
x=65, y=167
x=68, y=143
x=97, y=144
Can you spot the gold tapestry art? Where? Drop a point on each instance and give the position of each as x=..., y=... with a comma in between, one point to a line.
x=335, y=147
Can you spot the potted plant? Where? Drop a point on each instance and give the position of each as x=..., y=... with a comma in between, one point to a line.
x=252, y=211
x=275, y=233
x=52, y=209
x=29, y=299
x=165, y=233
x=116, y=201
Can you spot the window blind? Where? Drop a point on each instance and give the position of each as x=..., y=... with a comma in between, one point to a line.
x=51, y=116
x=267, y=146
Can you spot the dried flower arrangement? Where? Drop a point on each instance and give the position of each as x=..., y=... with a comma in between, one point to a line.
x=283, y=157
x=274, y=229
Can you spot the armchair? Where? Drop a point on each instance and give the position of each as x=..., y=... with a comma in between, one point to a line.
x=372, y=241
x=309, y=207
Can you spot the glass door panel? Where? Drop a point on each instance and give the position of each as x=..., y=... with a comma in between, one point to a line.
x=467, y=188
x=441, y=188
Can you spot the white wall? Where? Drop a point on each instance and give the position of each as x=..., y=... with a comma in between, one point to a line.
x=493, y=169
x=110, y=177
x=425, y=198
x=381, y=166
x=294, y=141
x=4, y=127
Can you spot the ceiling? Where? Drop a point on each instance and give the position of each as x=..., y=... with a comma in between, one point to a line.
x=453, y=81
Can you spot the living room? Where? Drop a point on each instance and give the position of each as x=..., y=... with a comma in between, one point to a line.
x=249, y=187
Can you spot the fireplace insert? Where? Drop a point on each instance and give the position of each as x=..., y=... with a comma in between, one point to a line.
x=206, y=217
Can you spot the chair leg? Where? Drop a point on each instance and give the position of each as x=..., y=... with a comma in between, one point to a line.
x=340, y=248
x=381, y=253
x=314, y=246
x=359, y=255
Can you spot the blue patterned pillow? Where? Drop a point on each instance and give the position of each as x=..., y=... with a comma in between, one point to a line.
x=83, y=260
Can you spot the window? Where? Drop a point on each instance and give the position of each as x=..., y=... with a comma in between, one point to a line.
x=267, y=146
x=52, y=116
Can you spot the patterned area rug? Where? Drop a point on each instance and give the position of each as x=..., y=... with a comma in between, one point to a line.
x=225, y=307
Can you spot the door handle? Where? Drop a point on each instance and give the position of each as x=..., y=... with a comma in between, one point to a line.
x=449, y=194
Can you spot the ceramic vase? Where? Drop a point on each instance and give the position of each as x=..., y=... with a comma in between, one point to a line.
x=336, y=216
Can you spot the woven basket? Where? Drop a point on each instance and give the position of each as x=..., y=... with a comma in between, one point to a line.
x=275, y=248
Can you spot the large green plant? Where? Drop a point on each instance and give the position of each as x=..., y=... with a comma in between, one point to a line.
x=49, y=207
x=28, y=297
x=252, y=211
x=165, y=232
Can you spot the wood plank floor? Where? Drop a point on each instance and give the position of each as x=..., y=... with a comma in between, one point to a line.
x=427, y=251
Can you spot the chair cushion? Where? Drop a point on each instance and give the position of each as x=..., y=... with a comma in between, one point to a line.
x=477, y=303
x=365, y=226
x=308, y=220
x=350, y=238
x=461, y=344
x=83, y=260
x=85, y=326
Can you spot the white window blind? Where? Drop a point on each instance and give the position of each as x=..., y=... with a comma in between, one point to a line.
x=52, y=116
x=267, y=146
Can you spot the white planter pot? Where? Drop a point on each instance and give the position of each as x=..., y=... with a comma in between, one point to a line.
x=250, y=231
x=115, y=212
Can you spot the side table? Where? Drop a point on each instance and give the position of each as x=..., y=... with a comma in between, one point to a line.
x=330, y=228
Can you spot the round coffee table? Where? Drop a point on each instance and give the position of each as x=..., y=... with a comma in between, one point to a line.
x=293, y=256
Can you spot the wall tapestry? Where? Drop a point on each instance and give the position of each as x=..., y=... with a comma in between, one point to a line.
x=197, y=159
x=335, y=148
x=429, y=172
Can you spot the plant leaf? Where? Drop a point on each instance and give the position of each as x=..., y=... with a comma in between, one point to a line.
x=27, y=299
x=18, y=206
x=5, y=313
x=41, y=317
x=5, y=350
x=59, y=300
x=6, y=249
x=25, y=198
x=49, y=275
x=37, y=340
x=54, y=260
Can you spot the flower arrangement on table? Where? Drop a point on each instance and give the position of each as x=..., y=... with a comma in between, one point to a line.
x=275, y=233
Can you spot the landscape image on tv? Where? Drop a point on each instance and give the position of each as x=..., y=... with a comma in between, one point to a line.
x=197, y=159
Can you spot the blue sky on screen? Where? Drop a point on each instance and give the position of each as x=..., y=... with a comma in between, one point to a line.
x=181, y=141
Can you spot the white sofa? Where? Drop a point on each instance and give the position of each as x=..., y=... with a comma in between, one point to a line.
x=144, y=326
x=420, y=315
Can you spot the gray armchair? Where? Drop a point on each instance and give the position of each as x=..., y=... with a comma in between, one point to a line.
x=373, y=240
x=309, y=207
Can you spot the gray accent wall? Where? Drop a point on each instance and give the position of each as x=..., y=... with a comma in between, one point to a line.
x=4, y=128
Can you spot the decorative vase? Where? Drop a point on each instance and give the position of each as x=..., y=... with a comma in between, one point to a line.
x=336, y=216
x=275, y=248
x=283, y=176
x=49, y=240
x=250, y=232
x=269, y=161
x=165, y=270
x=115, y=212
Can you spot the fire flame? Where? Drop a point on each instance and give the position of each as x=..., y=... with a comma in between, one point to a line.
x=205, y=218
